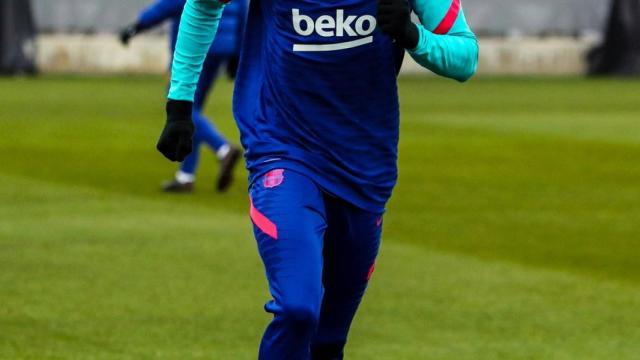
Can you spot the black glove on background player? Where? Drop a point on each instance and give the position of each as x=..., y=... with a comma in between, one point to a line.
x=394, y=19
x=176, y=140
x=127, y=33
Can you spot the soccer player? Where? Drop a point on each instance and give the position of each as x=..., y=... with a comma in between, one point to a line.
x=317, y=106
x=225, y=51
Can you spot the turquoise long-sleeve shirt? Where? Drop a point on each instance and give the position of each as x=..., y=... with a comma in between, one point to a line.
x=198, y=27
x=447, y=46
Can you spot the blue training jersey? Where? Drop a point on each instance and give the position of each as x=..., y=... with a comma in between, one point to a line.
x=316, y=93
x=316, y=88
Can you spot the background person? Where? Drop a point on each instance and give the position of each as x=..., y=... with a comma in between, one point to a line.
x=224, y=51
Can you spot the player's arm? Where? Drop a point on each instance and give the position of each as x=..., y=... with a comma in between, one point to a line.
x=152, y=16
x=442, y=43
x=198, y=28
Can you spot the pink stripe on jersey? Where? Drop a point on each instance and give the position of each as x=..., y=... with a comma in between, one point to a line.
x=449, y=19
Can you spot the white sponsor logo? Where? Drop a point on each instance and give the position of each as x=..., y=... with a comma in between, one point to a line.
x=339, y=26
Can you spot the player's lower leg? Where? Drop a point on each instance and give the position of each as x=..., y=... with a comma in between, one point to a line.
x=351, y=244
x=184, y=180
x=227, y=153
x=287, y=212
x=182, y=183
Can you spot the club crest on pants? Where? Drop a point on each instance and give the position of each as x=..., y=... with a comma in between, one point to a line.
x=273, y=178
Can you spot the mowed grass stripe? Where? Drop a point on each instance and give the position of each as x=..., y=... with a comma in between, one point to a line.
x=569, y=204
x=603, y=109
x=540, y=199
x=101, y=286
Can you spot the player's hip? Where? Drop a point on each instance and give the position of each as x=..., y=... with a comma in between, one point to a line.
x=367, y=189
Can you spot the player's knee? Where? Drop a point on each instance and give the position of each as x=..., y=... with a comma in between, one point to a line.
x=303, y=314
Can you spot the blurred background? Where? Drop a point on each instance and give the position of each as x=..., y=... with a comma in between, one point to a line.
x=514, y=231
x=545, y=37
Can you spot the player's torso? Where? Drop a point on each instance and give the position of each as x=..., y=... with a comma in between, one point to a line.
x=336, y=32
x=313, y=27
x=317, y=83
x=327, y=60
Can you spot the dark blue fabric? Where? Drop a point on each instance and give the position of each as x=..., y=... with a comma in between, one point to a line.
x=332, y=115
x=208, y=76
x=318, y=267
x=228, y=39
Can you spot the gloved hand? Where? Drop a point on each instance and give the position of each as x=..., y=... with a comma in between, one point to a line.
x=394, y=19
x=176, y=140
x=127, y=33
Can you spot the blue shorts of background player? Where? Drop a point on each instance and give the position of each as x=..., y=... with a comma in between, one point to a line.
x=319, y=253
x=225, y=51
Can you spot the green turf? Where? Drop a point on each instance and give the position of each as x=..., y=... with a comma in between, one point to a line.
x=514, y=232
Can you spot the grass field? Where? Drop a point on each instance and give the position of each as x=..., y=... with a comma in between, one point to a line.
x=514, y=232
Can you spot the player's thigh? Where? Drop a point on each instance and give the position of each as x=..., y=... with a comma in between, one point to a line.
x=351, y=245
x=287, y=211
x=352, y=242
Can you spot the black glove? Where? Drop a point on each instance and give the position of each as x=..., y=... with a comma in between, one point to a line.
x=127, y=33
x=176, y=140
x=232, y=67
x=394, y=19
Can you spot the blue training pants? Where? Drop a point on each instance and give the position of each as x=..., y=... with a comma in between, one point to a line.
x=205, y=132
x=319, y=253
